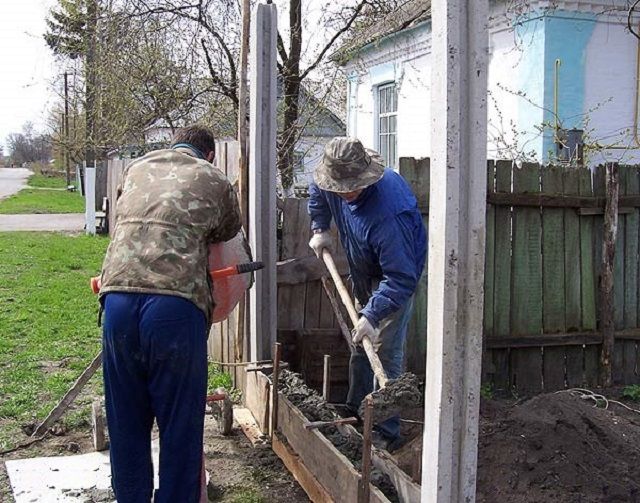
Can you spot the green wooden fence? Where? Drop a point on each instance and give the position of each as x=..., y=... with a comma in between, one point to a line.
x=543, y=260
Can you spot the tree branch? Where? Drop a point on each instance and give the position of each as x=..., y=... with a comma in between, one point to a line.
x=228, y=92
x=281, y=50
x=629, y=15
x=335, y=37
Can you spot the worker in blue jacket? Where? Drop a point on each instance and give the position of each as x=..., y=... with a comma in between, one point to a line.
x=383, y=236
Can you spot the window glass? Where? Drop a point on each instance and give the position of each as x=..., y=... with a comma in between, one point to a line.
x=387, y=117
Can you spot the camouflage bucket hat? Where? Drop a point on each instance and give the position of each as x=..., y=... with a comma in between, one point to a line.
x=348, y=166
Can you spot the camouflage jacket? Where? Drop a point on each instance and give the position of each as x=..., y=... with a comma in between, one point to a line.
x=171, y=207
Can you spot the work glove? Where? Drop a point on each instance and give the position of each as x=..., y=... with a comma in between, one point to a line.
x=364, y=327
x=319, y=241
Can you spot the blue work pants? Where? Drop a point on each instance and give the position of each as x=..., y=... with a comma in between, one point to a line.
x=155, y=366
x=391, y=353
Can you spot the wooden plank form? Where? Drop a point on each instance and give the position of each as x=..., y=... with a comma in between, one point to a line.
x=257, y=399
x=328, y=465
x=300, y=472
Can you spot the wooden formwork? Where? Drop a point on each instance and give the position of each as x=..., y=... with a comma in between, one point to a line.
x=323, y=472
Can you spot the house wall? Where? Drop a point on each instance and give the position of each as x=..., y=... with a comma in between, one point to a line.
x=596, y=83
x=610, y=88
x=312, y=147
x=405, y=60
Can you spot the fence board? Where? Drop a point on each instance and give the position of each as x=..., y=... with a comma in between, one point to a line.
x=617, y=366
x=631, y=276
x=553, y=260
x=488, y=368
x=619, y=262
x=526, y=308
x=588, y=283
x=574, y=356
x=502, y=277
x=417, y=174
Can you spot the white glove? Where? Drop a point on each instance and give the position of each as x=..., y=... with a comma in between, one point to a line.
x=364, y=327
x=320, y=241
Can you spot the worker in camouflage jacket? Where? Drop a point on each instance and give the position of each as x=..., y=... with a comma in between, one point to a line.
x=384, y=239
x=156, y=294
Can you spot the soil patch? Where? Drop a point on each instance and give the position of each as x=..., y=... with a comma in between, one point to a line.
x=558, y=448
x=238, y=471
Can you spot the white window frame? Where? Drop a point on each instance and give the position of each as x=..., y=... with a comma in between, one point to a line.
x=384, y=139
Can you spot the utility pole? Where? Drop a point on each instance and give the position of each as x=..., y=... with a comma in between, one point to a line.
x=91, y=83
x=66, y=128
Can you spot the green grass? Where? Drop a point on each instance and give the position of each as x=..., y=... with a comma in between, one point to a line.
x=632, y=392
x=48, y=182
x=43, y=201
x=48, y=330
x=243, y=495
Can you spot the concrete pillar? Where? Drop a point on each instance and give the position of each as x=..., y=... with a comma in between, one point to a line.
x=456, y=249
x=90, y=200
x=262, y=178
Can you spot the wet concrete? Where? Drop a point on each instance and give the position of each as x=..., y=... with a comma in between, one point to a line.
x=398, y=396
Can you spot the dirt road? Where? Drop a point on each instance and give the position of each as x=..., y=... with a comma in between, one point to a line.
x=12, y=180
x=64, y=222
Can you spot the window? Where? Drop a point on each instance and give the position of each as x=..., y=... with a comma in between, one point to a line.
x=298, y=162
x=387, y=123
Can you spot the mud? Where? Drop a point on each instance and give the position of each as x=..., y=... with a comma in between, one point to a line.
x=558, y=448
x=314, y=408
x=398, y=396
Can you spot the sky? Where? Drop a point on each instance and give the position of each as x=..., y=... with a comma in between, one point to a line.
x=28, y=67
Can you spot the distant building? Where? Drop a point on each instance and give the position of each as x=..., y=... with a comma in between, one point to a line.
x=578, y=54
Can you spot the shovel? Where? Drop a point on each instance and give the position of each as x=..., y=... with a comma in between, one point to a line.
x=374, y=360
x=393, y=395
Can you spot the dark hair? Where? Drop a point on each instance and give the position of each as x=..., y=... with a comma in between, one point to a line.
x=197, y=135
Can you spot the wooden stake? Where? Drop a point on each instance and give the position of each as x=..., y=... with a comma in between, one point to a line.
x=326, y=378
x=606, y=284
x=366, y=451
x=277, y=352
x=69, y=397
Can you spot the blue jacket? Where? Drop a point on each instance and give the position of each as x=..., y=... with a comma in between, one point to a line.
x=383, y=237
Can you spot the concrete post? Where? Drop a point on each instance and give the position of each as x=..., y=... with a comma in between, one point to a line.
x=262, y=178
x=456, y=249
x=90, y=200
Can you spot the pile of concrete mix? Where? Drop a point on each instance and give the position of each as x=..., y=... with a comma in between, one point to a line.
x=558, y=448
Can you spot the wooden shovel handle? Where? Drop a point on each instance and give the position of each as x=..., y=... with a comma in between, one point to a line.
x=376, y=365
